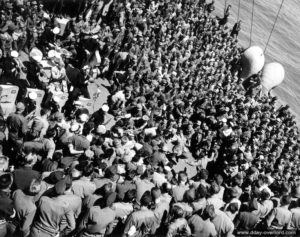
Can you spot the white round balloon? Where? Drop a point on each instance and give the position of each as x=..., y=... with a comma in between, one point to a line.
x=253, y=60
x=272, y=75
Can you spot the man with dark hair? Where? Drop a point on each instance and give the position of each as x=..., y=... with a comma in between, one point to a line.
x=265, y=205
x=7, y=211
x=142, y=221
x=17, y=128
x=179, y=225
x=123, y=209
x=49, y=165
x=295, y=222
x=144, y=184
x=84, y=186
x=181, y=188
x=247, y=218
x=39, y=125
x=161, y=210
x=128, y=184
x=51, y=212
x=49, y=144
x=25, y=174
x=67, y=196
x=111, y=176
x=224, y=226
x=200, y=227
x=45, y=147
x=280, y=217
x=99, y=220
x=24, y=203
x=77, y=143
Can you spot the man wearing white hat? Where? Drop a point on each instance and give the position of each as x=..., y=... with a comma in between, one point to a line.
x=54, y=104
x=19, y=67
x=101, y=116
x=77, y=143
x=77, y=112
x=30, y=104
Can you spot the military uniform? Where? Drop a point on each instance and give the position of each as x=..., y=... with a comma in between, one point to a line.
x=32, y=30
x=20, y=36
x=6, y=43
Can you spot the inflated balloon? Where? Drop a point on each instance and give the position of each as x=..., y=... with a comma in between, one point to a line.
x=253, y=60
x=272, y=75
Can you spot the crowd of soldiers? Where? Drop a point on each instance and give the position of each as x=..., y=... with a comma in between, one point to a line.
x=180, y=147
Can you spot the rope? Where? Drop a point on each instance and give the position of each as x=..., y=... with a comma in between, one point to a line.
x=238, y=14
x=253, y=3
x=282, y=1
x=225, y=6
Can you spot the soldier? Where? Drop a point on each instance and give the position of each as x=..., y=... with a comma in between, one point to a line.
x=40, y=10
x=9, y=10
x=31, y=30
x=3, y=20
x=7, y=40
x=20, y=33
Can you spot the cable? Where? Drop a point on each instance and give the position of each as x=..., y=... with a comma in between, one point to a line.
x=253, y=3
x=282, y=1
x=239, y=7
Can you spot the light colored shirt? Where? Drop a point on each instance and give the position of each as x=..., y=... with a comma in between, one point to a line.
x=159, y=179
x=228, y=212
x=264, y=208
x=215, y=201
x=141, y=218
x=50, y=213
x=142, y=185
x=188, y=210
x=279, y=218
x=295, y=222
x=179, y=226
x=224, y=226
x=179, y=191
x=98, y=220
x=25, y=210
x=39, y=124
x=83, y=187
x=202, y=228
x=49, y=147
x=199, y=204
x=122, y=209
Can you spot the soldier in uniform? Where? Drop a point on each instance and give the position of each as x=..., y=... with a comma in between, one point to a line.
x=7, y=40
x=19, y=34
x=31, y=30
x=9, y=10
x=41, y=11
x=77, y=26
x=2, y=19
